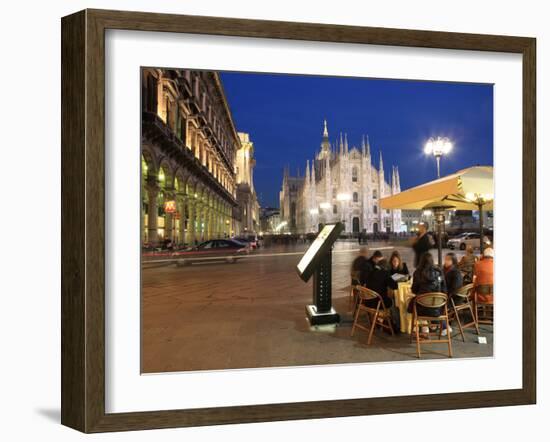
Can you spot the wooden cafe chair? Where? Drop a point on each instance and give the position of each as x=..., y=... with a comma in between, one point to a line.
x=354, y=275
x=376, y=316
x=466, y=297
x=487, y=308
x=432, y=300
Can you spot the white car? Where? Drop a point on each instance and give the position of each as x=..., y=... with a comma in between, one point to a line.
x=465, y=240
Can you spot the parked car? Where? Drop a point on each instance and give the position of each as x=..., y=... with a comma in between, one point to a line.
x=228, y=250
x=252, y=241
x=467, y=239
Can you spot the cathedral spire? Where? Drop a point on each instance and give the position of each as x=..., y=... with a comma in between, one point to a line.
x=368, y=146
x=313, y=172
x=346, y=143
x=381, y=167
x=398, y=179
x=363, y=147
x=341, y=144
x=307, y=172
x=325, y=143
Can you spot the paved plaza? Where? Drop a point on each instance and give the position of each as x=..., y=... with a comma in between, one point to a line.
x=252, y=314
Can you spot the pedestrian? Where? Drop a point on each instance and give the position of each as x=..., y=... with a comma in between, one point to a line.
x=422, y=243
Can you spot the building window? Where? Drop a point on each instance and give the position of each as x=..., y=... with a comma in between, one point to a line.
x=334, y=193
x=335, y=209
x=375, y=209
x=374, y=194
x=355, y=197
x=354, y=174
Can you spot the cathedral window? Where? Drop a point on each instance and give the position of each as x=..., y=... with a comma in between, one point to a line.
x=354, y=174
x=355, y=197
x=375, y=209
x=335, y=209
x=334, y=193
x=374, y=194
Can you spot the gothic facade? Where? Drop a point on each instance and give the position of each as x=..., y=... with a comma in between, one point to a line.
x=340, y=184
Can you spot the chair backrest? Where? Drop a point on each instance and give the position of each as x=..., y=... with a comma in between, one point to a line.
x=432, y=299
x=484, y=289
x=355, y=275
x=366, y=294
x=465, y=291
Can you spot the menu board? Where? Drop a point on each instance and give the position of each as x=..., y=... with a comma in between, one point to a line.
x=326, y=237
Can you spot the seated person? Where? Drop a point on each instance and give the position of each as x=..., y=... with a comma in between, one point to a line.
x=466, y=264
x=427, y=278
x=397, y=266
x=380, y=280
x=359, y=264
x=483, y=274
x=453, y=277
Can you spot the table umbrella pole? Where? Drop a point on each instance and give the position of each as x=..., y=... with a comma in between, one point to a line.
x=481, y=242
x=439, y=219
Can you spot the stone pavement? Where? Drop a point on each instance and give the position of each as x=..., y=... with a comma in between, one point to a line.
x=251, y=314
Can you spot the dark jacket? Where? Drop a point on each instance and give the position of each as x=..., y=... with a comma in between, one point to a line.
x=453, y=280
x=367, y=267
x=421, y=246
x=380, y=280
x=357, y=267
x=404, y=270
x=433, y=281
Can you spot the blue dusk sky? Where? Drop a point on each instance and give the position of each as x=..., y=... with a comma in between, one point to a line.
x=284, y=116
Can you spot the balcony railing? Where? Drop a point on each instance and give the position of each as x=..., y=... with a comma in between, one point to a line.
x=157, y=131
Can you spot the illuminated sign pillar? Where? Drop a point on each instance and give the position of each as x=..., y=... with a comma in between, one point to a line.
x=317, y=262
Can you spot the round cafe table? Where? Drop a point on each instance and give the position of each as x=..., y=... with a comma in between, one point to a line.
x=401, y=298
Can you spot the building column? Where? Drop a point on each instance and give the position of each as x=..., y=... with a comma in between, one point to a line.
x=169, y=220
x=191, y=223
x=180, y=204
x=152, y=214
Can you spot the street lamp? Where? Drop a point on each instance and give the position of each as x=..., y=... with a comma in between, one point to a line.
x=438, y=147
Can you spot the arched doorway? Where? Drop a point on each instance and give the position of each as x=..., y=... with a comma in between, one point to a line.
x=375, y=227
x=355, y=224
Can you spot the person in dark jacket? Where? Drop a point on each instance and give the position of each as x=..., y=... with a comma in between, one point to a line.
x=378, y=278
x=453, y=281
x=453, y=276
x=422, y=243
x=427, y=278
x=397, y=265
x=361, y=265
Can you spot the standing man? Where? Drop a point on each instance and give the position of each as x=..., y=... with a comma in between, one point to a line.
x=422, y=243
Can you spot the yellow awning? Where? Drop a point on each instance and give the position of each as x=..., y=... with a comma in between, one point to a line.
x=463, y=190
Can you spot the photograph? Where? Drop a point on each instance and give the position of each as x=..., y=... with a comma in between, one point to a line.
x=300, y=220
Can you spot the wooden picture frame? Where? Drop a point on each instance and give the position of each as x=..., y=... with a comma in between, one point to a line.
x=83, y=220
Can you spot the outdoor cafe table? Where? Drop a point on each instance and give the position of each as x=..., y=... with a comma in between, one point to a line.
x=401, y=298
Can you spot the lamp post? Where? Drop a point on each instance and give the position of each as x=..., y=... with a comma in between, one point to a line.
x=438, y=147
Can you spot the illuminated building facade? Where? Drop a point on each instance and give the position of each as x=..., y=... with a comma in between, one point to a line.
x=189, y=147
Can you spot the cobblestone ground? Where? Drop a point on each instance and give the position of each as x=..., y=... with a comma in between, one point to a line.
x=251, y=314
